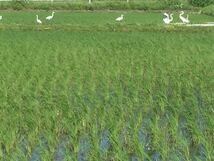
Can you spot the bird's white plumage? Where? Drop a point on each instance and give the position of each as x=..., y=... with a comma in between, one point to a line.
x=1, y=17
x=168, y=19
x=166, y=14
x=50, y=17
x=38, y=20
x=119, y=18
x=183, y=19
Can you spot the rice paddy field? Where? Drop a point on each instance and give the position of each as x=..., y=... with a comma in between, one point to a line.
x=90, y=95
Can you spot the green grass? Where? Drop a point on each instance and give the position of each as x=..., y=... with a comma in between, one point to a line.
x=106, y=95
x=98, y=5
x=209, y=10
x=94, y=18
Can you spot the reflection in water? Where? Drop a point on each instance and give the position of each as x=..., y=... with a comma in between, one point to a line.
x=183, y=129
x=201, y=152
x=83, y=149
x=22, y=148
x=155, y=156
x=60, y=150
x=36, y=155
x=176, y=155
x=144, y=135
x=198, y=152
x=104, y=142
x=133, y=158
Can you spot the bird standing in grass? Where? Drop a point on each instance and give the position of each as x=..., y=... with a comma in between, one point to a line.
x=168, y=19
x=50, y=17
x=38, y=20
x=1, y=18
x=119, y=18
x=183, y=19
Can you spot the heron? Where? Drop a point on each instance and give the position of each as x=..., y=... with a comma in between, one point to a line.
x=50, y=17
x=38, y=20
x=183, y=19
x=168, y=19
x=119, y=18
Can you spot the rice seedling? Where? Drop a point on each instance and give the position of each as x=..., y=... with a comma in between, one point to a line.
x=105, y=95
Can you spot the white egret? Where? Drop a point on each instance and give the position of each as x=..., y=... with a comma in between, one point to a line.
x=168, y=19
x=166, y=14
x=119, y=18
x=1, y=18
x=183, y=19
x=38, y=20
x=50, y=17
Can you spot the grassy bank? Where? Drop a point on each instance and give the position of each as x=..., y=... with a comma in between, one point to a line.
x=98, y=21
x=209, y=10
x=102, y=5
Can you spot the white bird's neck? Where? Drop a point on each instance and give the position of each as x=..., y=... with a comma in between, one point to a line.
x=52, y=14
x=171, y=17
x=167, y=15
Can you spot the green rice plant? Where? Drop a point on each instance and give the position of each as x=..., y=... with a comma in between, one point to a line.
x=104, y=94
